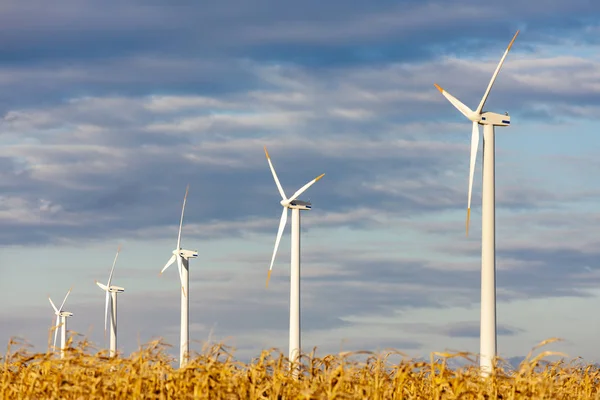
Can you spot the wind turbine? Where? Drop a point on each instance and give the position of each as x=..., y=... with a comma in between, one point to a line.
x=489, y=120
x=182, y=257
x=296, y=206
x=61, y=320
x=111, y=296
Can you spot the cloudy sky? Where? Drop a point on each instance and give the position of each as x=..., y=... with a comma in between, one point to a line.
x=109, y=109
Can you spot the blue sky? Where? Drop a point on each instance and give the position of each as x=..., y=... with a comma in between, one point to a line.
x=111, y=108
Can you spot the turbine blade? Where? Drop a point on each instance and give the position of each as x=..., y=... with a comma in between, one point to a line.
x=281, y=192
x=303, y=188
x=168, y=264
x=180, y=268
x=106, y=311
x=56, y=329
x=282, y=222
x=113, y=266
x=268, y=278
x=474, y=148
x=53, y=306
x=487, y=92
x=65, y=299
x=460, y=106
x=181, y=220
x=101, y=285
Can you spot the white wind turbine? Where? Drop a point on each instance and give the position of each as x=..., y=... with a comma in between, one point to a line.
x=489, y=120
x=61, y=321
x=295, y=206
x=182, y=257
x=111, y=297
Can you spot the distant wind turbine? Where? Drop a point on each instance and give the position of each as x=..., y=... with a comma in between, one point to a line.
x=489, y=120
x=182, y=257
x=111, y=297
x=295, y=206
x=61, y=321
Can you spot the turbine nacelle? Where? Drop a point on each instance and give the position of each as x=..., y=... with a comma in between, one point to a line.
x=187, y=254
x=111, y=289
x=491, y=118
x=299, y=204
x=116, y=289
x=65, y=314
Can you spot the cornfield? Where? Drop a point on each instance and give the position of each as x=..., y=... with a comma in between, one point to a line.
x=214, y=374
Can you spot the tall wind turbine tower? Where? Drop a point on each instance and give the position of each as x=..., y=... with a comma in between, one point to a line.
x=111, y=298
x=296, y=206
x=61, y=321
x=489, y=120
x=182, y=257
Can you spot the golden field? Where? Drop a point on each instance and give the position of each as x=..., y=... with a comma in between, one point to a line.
x=214, y=374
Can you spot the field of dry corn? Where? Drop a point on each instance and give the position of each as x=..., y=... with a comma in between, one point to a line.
x=151, y=373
